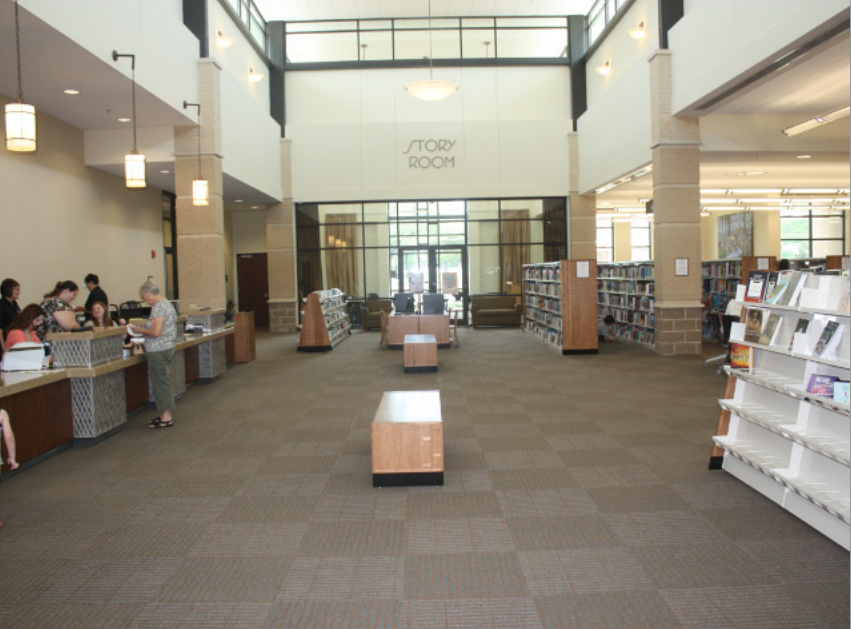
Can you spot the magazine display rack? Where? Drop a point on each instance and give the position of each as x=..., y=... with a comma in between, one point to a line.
x=792, y=445
x=325, y=321
x=720, y=280
x=626, y=291
x=559, y=304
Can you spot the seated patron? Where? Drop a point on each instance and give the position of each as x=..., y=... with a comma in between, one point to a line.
x=23, y=327
x=100, y=317
x=604, y=329
x=58, y=313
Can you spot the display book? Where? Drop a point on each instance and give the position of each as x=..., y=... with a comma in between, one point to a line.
x=720, y=280
x=325, y=322
x=789, y=436
x=559, y=304
x=625, y=290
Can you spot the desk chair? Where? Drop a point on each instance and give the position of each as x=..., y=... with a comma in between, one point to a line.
x=403, y=303
x=453, y=329
x=725, y=325
x=433, y=304
x=385, y=328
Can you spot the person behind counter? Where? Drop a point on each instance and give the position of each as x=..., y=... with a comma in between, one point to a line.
x=96, y=293
x=9, y=437
x=58, y=314
x=10, y=290
x=100, y=317
x=23, y=328
x=160, y=334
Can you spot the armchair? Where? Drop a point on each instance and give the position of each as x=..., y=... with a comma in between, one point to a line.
x=371, y=313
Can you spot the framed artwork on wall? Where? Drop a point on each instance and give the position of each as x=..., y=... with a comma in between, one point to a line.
x=735, y=235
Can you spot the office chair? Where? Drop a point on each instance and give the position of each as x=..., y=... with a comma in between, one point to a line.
x=433, y=304
x=403, y=303
x=725, y=325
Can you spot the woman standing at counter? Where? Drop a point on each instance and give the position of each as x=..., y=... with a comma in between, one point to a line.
x=9, y=437
x=58, y=314
x=23, y=328
x=160, y=334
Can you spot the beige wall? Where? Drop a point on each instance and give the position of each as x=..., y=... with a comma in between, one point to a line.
x=69, y=220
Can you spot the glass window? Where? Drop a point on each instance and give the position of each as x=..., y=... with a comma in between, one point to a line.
x=531, y=43
x=640, y=240
x=605, y=241
x=376, y=46
x=322, y=47
x=812, y=233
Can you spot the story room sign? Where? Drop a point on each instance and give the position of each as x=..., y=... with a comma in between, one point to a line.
x=430, y=155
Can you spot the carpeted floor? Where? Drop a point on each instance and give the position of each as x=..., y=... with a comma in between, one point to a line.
x=576, y=496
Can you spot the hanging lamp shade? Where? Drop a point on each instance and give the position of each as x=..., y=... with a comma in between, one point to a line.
x=431, y=90
x=200, y=192
x=20, y=127
x=134, y=170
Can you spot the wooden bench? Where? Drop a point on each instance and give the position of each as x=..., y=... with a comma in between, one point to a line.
x=407, y=439
x=420, y=352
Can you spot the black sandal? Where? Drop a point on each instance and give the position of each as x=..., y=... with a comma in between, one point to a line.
x=159, y=423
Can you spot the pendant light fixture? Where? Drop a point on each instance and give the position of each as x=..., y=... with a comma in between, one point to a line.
x=134, y=163
x=20, y=118
x=431, y=90
x=200, y=186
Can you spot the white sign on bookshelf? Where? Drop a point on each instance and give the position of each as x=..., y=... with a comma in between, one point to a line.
x=762, y=264
x=681, y=266
x=583, y=269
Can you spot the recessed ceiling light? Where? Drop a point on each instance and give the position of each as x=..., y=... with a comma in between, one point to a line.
x=165, y=172
x=255, y=207
x=751, y=173
x=71, y=92
x=804, y=156
x=124, y=120
x=813, y=123
x=237, y=200
x=604, y=203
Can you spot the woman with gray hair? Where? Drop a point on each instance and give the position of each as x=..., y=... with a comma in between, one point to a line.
x=160, y=334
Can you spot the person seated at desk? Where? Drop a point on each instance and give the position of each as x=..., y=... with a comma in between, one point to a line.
x=604, y=329
x=100, y=317
x=58, y=313
x=23, y=327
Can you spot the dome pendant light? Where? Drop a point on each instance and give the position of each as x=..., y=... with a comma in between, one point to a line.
x=431, y=90
x=20, y=118
x=134, y=163
x=200, y=186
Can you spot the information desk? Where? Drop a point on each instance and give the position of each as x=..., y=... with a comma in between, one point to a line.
x=407, y=439
x=402, y=325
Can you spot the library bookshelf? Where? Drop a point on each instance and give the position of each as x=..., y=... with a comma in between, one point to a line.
x=625, y=290
x=559, y=304
x=325, y=321
x=791, y=445
x=720, y=280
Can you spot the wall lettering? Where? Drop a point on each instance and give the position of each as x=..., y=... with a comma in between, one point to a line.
x=418, y=154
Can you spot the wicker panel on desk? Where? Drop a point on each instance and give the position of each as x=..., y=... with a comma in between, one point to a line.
x=99, y=404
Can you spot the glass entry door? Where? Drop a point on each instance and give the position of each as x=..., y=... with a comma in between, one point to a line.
x=435, y=269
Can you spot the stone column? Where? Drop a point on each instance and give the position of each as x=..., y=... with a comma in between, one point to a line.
x=200, y=230
x=581, y=211
x=675, y=142
x=281, y=245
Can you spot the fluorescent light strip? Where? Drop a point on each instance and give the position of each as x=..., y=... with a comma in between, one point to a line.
x=818, y=121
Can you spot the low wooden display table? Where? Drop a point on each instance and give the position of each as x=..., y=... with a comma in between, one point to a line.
x=407, y=440
x=420, y=352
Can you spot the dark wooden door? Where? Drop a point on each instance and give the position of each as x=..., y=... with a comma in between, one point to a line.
x=253, y=276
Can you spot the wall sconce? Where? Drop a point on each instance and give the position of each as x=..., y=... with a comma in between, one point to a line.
x=200, y=186
x=134, y=163
x=223, y=40
x=253, y=76
x=20, y=118
x=605, y=69
x=639, y=32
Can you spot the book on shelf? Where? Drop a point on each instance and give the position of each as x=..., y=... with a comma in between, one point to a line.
x=821, y=385
x=841, y=392
x=801, y=327
x=796, y=285
x=740, y=356
x=770, y=330
x=845, y=296
x=754, y=322
x=829, y=339
x=757, y=281
x=781, y=284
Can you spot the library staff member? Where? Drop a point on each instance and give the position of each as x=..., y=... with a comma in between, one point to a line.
x=160, y=334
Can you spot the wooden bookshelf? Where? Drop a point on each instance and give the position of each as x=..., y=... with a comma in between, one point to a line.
x=838, y=263
x=559, y=304
x=790, y=445
x=625, y=290
x=325, y=321
x=757, y=263
x=720, y=280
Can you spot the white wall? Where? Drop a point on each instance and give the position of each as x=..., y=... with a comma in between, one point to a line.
x=716, y=41
x=103, y=146
x=70, y=220
x=151, y=29
x=351, y=130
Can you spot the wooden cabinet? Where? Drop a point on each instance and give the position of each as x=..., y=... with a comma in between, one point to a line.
x=420, y=353
x=244, y=347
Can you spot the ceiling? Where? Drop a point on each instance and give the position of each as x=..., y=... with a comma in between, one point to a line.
x=294, y=10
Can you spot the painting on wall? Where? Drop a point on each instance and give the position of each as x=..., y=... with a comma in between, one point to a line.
x=735, y=235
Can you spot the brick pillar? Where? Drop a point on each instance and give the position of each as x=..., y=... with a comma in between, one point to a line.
x=676, y=200
x=280, y=242
x=581, y=210
x=200, y=230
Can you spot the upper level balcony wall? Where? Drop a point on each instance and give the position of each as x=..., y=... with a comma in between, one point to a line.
x=719, y=42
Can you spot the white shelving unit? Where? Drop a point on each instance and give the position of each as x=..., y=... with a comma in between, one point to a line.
x=791, y=445
x=625, y=290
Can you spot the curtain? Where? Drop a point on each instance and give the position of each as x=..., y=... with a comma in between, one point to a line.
x=341, y=255
x=310, y=258
x=515, y=252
